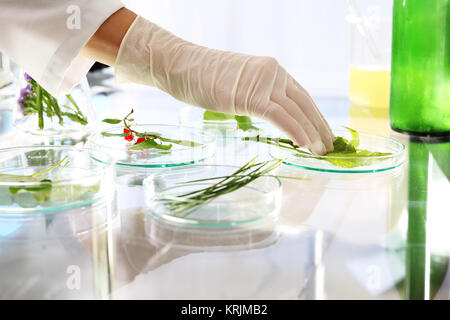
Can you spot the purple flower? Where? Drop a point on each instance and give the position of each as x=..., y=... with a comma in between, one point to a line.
x=27, y=77
x=24, y=93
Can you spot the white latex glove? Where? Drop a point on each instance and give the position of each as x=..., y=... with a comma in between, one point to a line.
x=222, y=81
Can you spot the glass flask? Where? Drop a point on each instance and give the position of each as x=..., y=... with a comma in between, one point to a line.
x=370, y=52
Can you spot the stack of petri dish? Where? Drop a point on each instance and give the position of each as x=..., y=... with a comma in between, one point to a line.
x=239, y=219
x=57, y=219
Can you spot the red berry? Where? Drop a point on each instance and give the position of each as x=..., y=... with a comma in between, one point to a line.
x=126, y=131
x=129, y=137
x=141, y=139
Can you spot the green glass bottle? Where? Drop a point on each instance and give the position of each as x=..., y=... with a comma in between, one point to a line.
x=420, y=71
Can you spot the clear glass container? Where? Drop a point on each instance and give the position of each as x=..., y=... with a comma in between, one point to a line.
x=231, y=149
x=8, y=82
x=194, y=117
x=370, y=53
x=132, y=167
x=8, y=92
x=349, y=164
x=56, y=226
x=256, y=202
x=55, y=127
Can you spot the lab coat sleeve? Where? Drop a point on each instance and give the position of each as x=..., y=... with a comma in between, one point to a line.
x=45, y=37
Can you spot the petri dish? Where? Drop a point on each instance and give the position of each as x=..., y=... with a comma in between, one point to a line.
x=132, y=167
x=178, y=155
x=349, y=164
x=256, y=203
x=79, y=179
x=227, y=129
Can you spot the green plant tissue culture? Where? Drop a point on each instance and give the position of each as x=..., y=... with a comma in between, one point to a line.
x=144, y=140
x=351, y=156
x=34, y=99
x=244, y=123
x=184, y=204
x=45, y=191
x=150, y=144
x=345, y=154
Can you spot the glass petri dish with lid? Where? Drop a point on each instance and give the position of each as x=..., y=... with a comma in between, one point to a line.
x=56, y=204
x=388, y=154
x=133, y=166
x=112, y=143
x=51, y=178
x=256, y=203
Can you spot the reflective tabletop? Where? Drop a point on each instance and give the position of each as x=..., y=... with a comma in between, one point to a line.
x=380, y=235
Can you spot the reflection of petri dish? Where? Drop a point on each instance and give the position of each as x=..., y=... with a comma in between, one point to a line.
x=193, y=117
x=349, y=164
x=256, y=203
x=178, y=155
x=160, y=233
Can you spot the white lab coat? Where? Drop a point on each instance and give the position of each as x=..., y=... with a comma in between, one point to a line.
x=45, y=37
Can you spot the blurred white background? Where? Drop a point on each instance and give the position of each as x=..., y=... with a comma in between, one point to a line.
x=309, y=38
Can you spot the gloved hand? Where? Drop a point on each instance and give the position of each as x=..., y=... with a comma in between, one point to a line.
x=222, y=81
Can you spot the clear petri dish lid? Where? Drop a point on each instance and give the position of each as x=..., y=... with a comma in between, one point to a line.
x=227, y=128
x=257, y=203
x=202, y=147
x=375, y=154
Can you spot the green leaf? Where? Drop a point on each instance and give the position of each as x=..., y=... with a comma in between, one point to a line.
x=44, y=186
x=40, y=108
x=181, y=142
x=149, y=144
x=355, y=137
x=217, y=116
x=357, y=159
x=74, y=192
x=52, y=103
x=107, y=134
x=5, y=196
x=76, y=118
x=69, y=97
x=341, y=145
x=46, y=194
x=244, y=123
x=112, y=121
x=150, y=134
